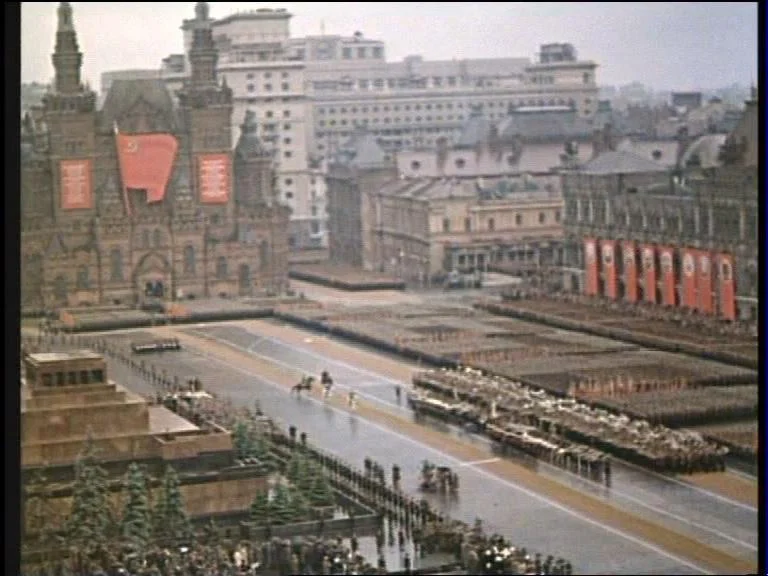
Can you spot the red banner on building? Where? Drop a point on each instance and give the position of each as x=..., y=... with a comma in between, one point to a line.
x=608, y=253
x=668, y=288
x=630, y=271
x=727, y=285
x=214, y=178
x=704, y=282
x=649, y=273
x=76, y=184
x=689, y=278
x=146, y=162
x=590, y=262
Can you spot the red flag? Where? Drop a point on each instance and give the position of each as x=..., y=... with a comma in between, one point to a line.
x=146, y=162
x=666, y=258
x=630, y=271
x=704, y=281
x=689, y=278
x=609, y=268
x=649, y=273
x=590, y=258
x=727, y=287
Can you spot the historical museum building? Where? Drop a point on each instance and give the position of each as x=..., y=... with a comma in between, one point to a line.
x=145, y=201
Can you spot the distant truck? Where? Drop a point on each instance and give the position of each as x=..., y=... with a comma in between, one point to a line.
x=461, y=281
x=167, y=345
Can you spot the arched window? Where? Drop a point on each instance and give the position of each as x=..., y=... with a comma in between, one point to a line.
x=60, y=288
x=83, y=281
x=157, y=238
x=145, y=239
x=491, y=224
x=189, y=260
x=264, y=254
x=116, y=265
x=221, y=268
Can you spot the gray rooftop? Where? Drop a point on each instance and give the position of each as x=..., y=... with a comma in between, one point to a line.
x=46, y=357
x=621, y=162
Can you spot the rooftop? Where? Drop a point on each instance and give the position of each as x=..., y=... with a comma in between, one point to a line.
x=47, y=357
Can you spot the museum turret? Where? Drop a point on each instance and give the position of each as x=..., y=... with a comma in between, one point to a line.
x=253, y=173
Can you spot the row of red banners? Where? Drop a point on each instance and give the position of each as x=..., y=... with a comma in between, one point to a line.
x=645, y=266
x=146, y=163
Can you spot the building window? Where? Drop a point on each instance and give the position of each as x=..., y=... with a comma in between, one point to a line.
x=415, y=165
x=288, y=181
x=286, y=113
x=221, y=268
x=346, y=53
x=286, y=140
x=250, y=87
x=542, y=217
x=288, y=154
x=361, y=52
x=460, y=163
x=269, y=114
x=467, y=224
x=377, y=52
x=586, y=78
x=286, y=126
x=267, y=75
x=249, y=76
x=116, y=265
x=289, y=195
x=83, y=280
x=518, y=219
x=557, y=215
x=491, y=224
x=285, y=86
x=268, y=87
x=157, y=238
x=189, y=260
x=446, y=225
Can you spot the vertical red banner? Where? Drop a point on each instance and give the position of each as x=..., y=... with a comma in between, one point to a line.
x=727, y=285
x=689, y=278
x=704, y=281
x=76, y=189
x=590, y=262
x=214, y=178
x=630, y=271
x=608, y=252
x=649, y=273
x=668, y=288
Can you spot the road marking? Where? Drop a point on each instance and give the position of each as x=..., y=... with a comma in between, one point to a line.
x=480, y=462
x=614, y=491
x=508, y=483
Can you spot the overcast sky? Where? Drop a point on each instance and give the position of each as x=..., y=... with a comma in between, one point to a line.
x=665, y=45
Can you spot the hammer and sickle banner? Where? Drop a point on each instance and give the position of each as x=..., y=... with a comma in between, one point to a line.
x=727, y=287
x=667, y=277
x=649, y=273
x=609, y=268
x=630, y=271
x=689, y=278
x=75, y=180
x=704, y=281
x=591, y=278
x=146, y=162
x=214, y=178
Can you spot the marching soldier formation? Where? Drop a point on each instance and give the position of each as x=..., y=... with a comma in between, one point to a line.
x=549, y=427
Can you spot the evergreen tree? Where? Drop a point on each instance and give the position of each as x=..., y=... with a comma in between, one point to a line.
x=136, y=525
x=241, y=440
x=307, y=471
x=260, y=509
x=90, y=519
x=300, y=505
x=321, y=493
x=210, y=536
x=171, y=520
x=280, y=510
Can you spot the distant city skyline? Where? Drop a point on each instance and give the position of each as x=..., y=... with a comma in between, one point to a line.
x=665, y=46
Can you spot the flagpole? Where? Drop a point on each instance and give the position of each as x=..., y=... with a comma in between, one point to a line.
x=119, y=164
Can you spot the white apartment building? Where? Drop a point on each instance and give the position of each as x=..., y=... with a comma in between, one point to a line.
x=410, y=104
x=255, y=63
